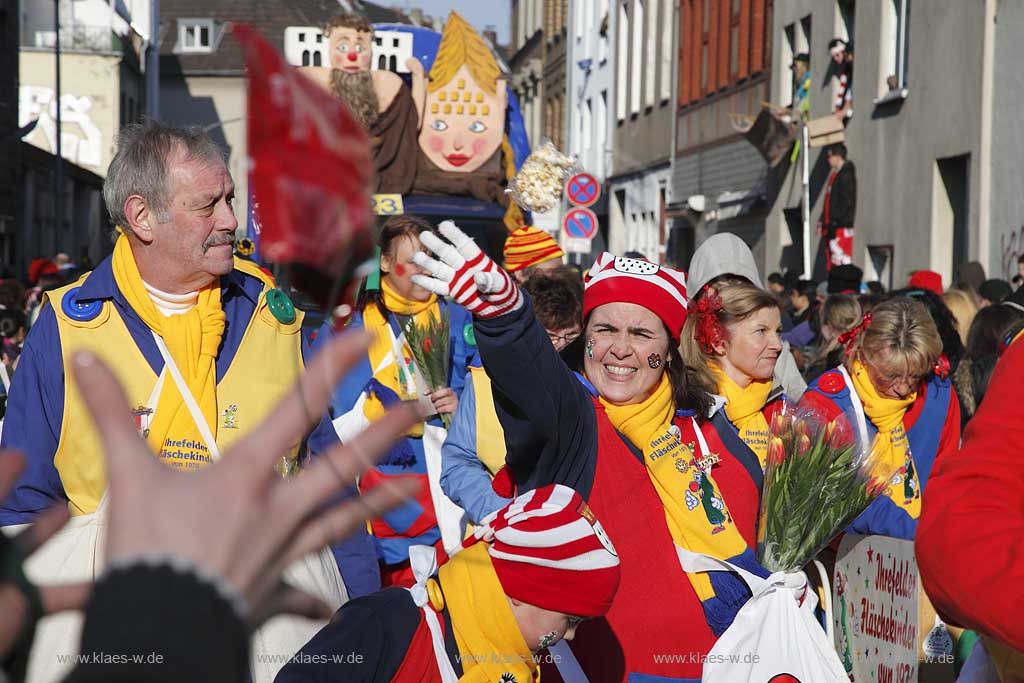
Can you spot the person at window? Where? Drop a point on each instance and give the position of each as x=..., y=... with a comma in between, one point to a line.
x=839, y=212
x=801, y=68
x=841, y=52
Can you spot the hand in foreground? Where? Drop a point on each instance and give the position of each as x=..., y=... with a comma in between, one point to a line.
x=238, y=519
x=21, y=603
x=466, y=274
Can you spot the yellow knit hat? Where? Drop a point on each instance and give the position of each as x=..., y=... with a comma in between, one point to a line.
x=529, y=246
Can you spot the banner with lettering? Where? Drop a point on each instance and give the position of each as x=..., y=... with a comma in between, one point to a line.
x=886, y=630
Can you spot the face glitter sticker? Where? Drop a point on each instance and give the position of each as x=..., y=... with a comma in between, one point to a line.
x=590, y=349
x=548, y=639
x=654, y=360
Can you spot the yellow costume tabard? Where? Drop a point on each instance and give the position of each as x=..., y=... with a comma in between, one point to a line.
x=266, y=364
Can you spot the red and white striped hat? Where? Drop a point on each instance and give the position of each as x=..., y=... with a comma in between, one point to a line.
x=549, y=550
x=659, y=289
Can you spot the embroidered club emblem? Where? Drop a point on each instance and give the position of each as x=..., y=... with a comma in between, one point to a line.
x=229, y=417
x=142, y=416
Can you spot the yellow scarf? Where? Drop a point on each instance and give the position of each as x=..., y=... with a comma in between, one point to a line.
x=743, y=408
x=393, y=375
x=695, y=511
x=193, y=340
x=887, y=416
x=491, y=645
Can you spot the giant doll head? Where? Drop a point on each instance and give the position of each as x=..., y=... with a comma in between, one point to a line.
x=464, y=113
x=351, y=41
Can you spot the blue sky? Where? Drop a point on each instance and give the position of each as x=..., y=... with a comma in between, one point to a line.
x=479, y=13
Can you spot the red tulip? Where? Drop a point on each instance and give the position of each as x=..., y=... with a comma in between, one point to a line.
x=803, y=444
x=776, y=451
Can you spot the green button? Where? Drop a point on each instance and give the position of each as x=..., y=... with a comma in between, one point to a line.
x=281, y=306
x=468, y=335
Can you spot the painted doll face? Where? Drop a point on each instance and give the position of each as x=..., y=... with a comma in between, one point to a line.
x=463, y=124
x=351, y=50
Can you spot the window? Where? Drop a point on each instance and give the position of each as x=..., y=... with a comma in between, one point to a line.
x=665, y=60
x=302, y=37
x=603, y=29
x=587, y=137
x=317, y=59
x=894, y=50
x=651, y=44
x=785, y=74
x=305, y=58
x=845, y=15
x=195, y=35
x=588, y=28
x=636, y=54
x=622, y=62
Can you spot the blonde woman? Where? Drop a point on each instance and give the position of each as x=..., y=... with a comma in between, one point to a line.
x=894, y=383
x=730, y=344
x=963, y=309
x=839, y=314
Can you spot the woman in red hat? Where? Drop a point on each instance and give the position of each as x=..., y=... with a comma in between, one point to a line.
x=630, y=434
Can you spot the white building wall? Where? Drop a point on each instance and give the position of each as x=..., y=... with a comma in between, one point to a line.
x=590, y=76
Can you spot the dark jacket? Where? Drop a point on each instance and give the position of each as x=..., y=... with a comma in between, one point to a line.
x=841, y=200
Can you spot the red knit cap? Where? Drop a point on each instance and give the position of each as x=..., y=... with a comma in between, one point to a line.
x=659, y=289
x=529, y=246
x=927, y=279
x=548, y=550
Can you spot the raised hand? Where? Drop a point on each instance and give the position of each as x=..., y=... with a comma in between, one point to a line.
x=466, y=274
x=238, y=519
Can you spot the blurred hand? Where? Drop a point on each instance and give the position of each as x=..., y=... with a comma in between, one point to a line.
x=237, y=518
x=20, y=602
x=445, y=400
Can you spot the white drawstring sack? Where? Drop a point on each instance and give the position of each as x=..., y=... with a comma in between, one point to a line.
x=775, y=633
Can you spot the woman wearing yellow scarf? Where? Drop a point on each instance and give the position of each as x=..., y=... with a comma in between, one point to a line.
x=389, y=374
x=629, y=433
x=896, y=385
x=526, y=579
x=731, y=342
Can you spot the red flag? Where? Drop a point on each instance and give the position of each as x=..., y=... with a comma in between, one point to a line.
x=310, y=165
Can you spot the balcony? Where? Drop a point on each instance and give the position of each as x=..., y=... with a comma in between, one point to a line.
x=77, y=37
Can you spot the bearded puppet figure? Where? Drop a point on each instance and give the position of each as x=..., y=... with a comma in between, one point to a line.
x=463, y=146
x=379, y=99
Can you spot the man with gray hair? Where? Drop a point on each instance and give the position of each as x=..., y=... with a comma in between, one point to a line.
x=205, y=344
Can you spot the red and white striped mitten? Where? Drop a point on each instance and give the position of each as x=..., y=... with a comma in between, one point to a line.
x=466, y=274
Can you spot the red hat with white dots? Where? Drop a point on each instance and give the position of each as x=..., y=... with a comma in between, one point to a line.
x=660, y=290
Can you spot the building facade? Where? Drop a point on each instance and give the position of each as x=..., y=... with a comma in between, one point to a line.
x=555, y=31
x=101, y=89
x=934, y=133
x=643, y=40
x=590, y=70
x=526, y=64
x=719, y=180
x=10, y=147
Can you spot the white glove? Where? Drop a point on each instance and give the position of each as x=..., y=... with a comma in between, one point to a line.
x=466, y=274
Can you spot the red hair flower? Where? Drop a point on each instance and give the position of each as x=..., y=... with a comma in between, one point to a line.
x=847, y=338
x=709, y=332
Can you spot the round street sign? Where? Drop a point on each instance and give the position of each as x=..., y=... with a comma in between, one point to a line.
x=582, y=189
x=580, y=223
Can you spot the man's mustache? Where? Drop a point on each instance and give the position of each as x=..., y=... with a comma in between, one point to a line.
x=218, y=239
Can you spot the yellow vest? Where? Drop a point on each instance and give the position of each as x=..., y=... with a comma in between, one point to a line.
x=266, y=365
x=490, y=437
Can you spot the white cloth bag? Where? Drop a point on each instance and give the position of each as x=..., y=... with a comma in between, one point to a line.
x=774, y=632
